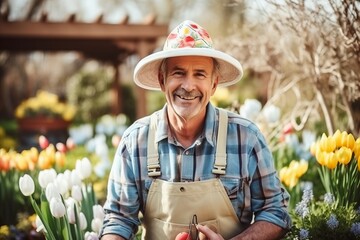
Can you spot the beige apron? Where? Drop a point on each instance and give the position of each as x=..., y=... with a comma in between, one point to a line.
x=171, y=205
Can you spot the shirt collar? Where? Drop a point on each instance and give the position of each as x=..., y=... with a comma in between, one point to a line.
x=209, y=130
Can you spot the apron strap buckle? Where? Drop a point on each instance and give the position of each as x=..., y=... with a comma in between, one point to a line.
x=154, y=170
x=219, y=170
x=220, y=164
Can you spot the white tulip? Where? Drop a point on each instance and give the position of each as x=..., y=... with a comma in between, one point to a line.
x=98, y=211
x=91, y=236
x=62, y=183
x=83, y=168
x=76, y=193
x=52, y=191
x=71, y=214
x=57, y=208
x=39, y=225
x=75, y=179
x=70, y=201
x=250, y=109
x=96, y=224
x=83, y=222
x=272, y=113
x=26, y=185
x=46, y=176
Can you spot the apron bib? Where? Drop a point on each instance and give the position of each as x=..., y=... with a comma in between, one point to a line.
x=171, y=205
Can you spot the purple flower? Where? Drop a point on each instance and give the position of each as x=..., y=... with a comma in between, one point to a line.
x=303, y=234
x=329, y=198
x=307, y=195
x=355, y=229
x=332, y=222
x=302, y=209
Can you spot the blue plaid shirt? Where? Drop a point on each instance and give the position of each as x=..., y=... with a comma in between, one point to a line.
x=251, y=180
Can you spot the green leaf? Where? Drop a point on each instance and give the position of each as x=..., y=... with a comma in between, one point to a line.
x=49, y=233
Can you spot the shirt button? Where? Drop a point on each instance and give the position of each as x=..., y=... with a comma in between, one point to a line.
x=187, y=153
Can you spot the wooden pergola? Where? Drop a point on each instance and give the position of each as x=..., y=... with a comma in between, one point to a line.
x=104, y=42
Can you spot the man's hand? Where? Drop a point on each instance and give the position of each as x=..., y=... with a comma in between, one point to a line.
x=208, y=232
x=182, y=236
x=258, y=230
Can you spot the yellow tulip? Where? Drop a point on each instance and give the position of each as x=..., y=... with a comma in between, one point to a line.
x=330, y=160
x=337, y=137
x=26, y=155
x=50, y=153
x=343, y=155
x=21, y=163
x=60, y=159
x=313, y=148
x=358, y=163
x=44, y=162
x=347, y=140
x=302, y=167
x=34, y=153
x=294, y=165
x=282, y=174
x=356, y=148
x=320, y=157
x=327, y=144
x=292, y=181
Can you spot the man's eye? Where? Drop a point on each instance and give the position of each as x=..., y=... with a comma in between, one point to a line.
x=201, y=75
x=178, y=73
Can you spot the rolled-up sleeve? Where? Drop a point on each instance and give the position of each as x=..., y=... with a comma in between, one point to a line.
x=269, y=200
x=122, y=204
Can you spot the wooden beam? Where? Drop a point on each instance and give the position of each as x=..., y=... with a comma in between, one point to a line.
x=76, y=30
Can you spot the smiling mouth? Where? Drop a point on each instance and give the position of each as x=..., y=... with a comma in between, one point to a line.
x=187, y=97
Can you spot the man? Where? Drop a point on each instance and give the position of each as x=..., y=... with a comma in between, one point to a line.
x=191, y=160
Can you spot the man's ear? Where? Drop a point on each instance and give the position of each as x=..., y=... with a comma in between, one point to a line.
x=216, y=82
x=161, y=81
x=214, y=86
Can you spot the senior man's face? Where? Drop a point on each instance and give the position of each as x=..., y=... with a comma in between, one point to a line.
x=188, y=84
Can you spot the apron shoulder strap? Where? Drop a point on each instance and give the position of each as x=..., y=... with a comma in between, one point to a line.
x=220, y=157
x=153, y=162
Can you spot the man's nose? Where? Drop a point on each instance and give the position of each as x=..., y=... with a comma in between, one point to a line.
x=188, y=83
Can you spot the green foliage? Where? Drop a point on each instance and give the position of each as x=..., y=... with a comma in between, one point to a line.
x=324, y=221
x=90, y=92
x=11, y=197
x=156, y=101
x=129, y=102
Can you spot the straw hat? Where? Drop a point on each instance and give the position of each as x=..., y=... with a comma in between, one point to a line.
x=187, y=39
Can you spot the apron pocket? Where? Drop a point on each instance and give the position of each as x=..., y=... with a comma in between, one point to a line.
x=158, y=229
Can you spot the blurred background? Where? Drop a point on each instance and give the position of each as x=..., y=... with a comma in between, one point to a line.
x=304, y=51
x=66, y=70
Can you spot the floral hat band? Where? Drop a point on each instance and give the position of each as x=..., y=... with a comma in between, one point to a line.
x=187, y=39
